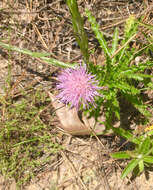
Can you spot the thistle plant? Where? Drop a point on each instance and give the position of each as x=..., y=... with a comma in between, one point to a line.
x=119, y=77
x=77, y=87
x=141, y=156
x=81, y=85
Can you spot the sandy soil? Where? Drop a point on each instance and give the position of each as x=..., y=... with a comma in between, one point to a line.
x=85, y=162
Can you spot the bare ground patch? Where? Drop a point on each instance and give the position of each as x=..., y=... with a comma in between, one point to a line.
x=46, y=26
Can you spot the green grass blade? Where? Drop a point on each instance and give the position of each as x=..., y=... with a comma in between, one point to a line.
x=42, y=56
x=78, y=27
x=58, y=63
x=24, y=51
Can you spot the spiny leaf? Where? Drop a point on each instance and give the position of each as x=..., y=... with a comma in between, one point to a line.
x=129, y=168
x=144, y=147
x=126, y=134
x=148, y=159
x=120, y=155
x=98, y=33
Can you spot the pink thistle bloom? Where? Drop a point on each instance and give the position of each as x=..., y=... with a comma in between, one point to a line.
x=77, y=87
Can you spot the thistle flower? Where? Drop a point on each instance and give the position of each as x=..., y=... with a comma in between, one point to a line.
x=77, y=87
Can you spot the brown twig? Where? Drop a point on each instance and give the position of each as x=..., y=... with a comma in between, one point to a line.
x=74, y=170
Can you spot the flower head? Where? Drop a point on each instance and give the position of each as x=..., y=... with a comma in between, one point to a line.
x=77, y=87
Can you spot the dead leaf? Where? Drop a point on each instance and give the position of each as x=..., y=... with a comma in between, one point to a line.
x=70, y=120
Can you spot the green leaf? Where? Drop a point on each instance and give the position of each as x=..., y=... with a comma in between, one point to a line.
x=114, y=44
x=120, y=155
x=149, y=133
x=98, y=33
x=141, y=166
x=125, y=87
x=132, y=75
x=138, y=104
x=78, y=27
x=130, y=31
x=149, y=26
x=130, y=25
x=58, y=63
x=129, y=168
x=145, y=75
x=126, y=134
x=144, y=148
x=24, y=51
x=115, y=103
x=123, y=49
x=115, y=41
x=42, y=56
x=148, y=159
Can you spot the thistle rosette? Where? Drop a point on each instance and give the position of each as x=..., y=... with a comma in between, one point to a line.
x=77, y=86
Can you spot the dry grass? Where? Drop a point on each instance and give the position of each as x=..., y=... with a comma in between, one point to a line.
x=45, y=26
